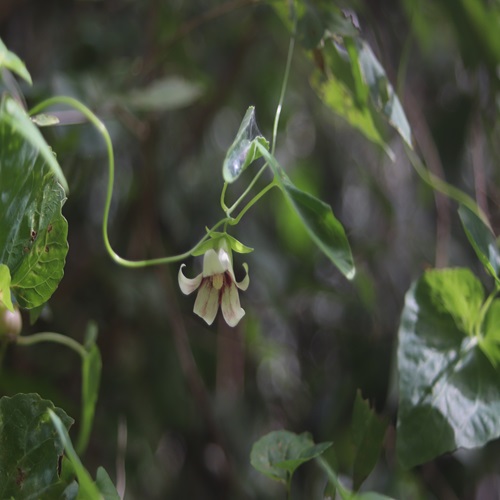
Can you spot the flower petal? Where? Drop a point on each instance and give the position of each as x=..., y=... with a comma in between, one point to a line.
x=188, y=285
x=211, y=263
x=206, y=304
x=230, y=305
x=243, y=284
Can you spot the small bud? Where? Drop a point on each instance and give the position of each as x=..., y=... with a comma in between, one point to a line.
x=11, y=322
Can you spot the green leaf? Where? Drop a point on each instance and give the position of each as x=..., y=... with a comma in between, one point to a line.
x=490, y=340
x=87, y=487
x=382, y=94
x=10, y=61
x=279, y=453
x=368, y=431
x=335, y=85
x=348, y=78
x=165, y=94
x=91, y=377
x=482, y=239
x=29, y=446
x=105, y=485
x=15, y=117
x=449, y=391
x=5, y=297
x=33, y=232
x=318, y=219
x=243, y=151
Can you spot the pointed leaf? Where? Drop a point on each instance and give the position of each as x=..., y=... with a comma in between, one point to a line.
x=348, y=78
x=15, y=117
x=33, y=232
x=29, y=446
x=482, y=239
x=318, y=219
x=279, y=453
x=368, y=431
x=105, y=485
x=10, y=61
x=382, y=94
x=449, y=391
x=243, y=151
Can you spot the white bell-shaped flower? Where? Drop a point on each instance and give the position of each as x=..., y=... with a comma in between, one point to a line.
x=216, y=286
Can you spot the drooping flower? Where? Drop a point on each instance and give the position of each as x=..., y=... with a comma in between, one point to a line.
x=216, y=286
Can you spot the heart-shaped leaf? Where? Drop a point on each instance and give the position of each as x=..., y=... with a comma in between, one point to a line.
x=279, y=453
x=33, y=232
x=449, y=390
x=318, y=219
x=29, y=446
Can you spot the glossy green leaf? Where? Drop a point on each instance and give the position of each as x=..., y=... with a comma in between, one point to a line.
x=91, y=377
x=29, y=446
x=87, y=487
x=13, y=116
x=279, y=453
x=12, y=62
x=449, y=391
x=5, y=297
x=335, y=85
x=348, y=77
x=318, y=219
x=243, y=151
x=368, y=431
x=33, y=232
x=165, y=94
x=482, y=239
x=382, y=94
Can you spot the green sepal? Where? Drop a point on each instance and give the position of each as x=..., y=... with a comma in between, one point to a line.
x=215, y=242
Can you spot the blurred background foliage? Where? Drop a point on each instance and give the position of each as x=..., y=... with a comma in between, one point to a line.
x=172, y=80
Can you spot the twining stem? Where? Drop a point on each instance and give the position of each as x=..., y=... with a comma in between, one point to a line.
x=252, y=202
x=51, y=337
x=231, y=209
x=101, y=128
x=443, y=187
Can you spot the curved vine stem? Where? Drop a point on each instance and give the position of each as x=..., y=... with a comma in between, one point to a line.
x=51, y=337
x=101, y=128
x=443, y=187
